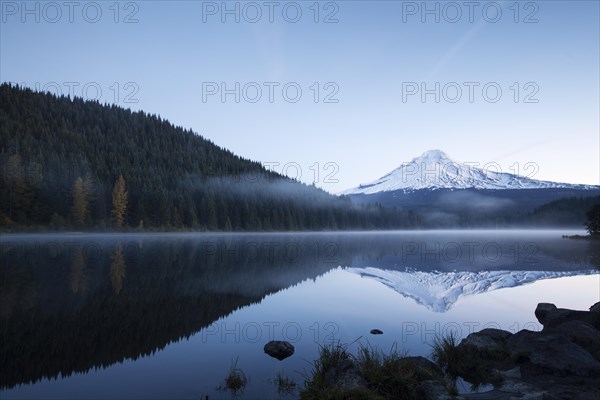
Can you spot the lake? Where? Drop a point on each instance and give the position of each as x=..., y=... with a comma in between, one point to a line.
x=155, y=316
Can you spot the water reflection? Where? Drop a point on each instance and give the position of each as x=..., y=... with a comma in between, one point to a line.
x=176, y=285
x=438, y=291
x=78, y=280
x=117, y=269
x=63, y=299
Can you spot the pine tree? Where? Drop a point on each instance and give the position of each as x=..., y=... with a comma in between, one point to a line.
x=119, y=199
x=228, y=224
x=211, y=214
x=15, y=196
x=80, y=202
x=593, y=220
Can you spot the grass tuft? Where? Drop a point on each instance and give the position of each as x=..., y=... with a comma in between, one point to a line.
x=388, y=375
x=316, y=384
x=284, y=385
x=235, y=381
x=446, y=355
x=468, y=362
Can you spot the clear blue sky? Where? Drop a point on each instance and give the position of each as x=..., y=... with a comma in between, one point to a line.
x=372, y=60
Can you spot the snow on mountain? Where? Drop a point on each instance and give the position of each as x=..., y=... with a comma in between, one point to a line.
x=434, y=169
x=439, y=291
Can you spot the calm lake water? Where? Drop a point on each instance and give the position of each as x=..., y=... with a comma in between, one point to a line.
x=149, y=316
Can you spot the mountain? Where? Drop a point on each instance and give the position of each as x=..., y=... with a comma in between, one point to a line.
x=439, y=291
x=434, y=169
x=60, y=158
x=449, y=193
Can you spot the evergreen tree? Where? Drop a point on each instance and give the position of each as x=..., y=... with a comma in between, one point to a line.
x=119, y=201
x=593, y=220
x=79, y=209
x=228, y=226
x=15, y=195
x=211, y=214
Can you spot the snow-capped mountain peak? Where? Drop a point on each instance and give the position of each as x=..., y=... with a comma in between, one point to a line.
x=432, y=157
x=434, y=169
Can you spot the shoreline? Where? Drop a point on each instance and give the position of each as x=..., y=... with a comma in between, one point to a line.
x=562, y=361
x=327, y=231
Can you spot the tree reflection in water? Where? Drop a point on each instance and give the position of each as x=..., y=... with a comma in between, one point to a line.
x=117, y=269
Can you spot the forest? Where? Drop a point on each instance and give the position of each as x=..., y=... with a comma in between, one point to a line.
x=70, y=164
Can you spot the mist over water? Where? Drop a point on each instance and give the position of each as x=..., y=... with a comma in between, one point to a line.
x=164, y=315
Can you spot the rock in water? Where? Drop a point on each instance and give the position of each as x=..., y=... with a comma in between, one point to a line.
x=279, y=349
x=376, y=332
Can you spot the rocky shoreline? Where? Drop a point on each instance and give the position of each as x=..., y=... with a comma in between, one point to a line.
x=562, y=361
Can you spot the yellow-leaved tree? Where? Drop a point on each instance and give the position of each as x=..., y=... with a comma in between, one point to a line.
x=80, y=205
x=119, y=199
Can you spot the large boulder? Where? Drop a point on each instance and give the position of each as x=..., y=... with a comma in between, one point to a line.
x=542, y=310
x=550, y=316
x=552, y=353
x=423, y=368
x=581, y=333
x=487, y=341
x=279, y=349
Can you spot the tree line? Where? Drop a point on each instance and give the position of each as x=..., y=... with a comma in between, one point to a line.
x=67, y=163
